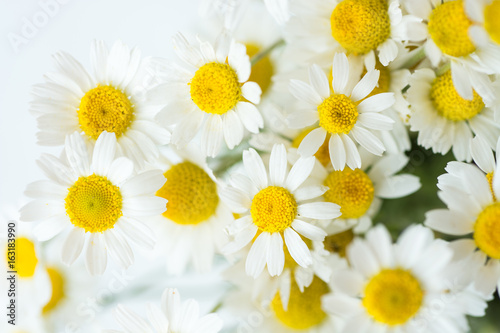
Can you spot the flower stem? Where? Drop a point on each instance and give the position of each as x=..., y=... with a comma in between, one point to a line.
x=257, y=57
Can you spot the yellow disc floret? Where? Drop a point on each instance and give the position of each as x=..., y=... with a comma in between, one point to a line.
x=191, y=194
x=337, y=114
x=215, y=88
x=393, y=296
x=361, y=25
x=94, y=203
x=351, y=189
x=491, y=21
x=263, y=70
x=487, y=230
x=449, y=29
x=105, y=108
x=24, y=257
x=323, y=153
x=489, y=178
x=449, y=104
x=338, y=243
x=273, y=209
x=58, y=285
x=304, y=309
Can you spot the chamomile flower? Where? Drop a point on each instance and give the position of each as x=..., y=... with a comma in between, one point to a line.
x=96, y=197
x=210, y=95
x=393, y=288
x=444, y=119
x=191, y=228
x=343, y=115
x=470, y=194
x=112, y=100
x=484, y=14
x=174, y=317
x=366, y=28
x=271, y=207
x=445, y=30
x=360, y=192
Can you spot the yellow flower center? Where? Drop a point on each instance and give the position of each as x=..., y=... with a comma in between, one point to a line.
x=191, y=194
x=338, y=243
x=489, y=177
x=94, y=203
x=263, y=70
x=304, y=309
x=449, y=104
x=105, y=108
x=487, y=230
x=359, y=26
x=491, y=22
x=449, y=29
x=337, y=114
x=215, y=88
x=24, y=257
x=273, y=209
x=351, y=189
x=393, y=296
x=58, y=284
x=323, y=153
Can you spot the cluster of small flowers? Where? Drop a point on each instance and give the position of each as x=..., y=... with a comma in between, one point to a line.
x=275, y=146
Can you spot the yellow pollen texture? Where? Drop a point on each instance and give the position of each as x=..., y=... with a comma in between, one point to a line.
x=491, y=21
x=489, y=177
x=304, y=309
x=323, y=153
x=393, y=296
x=215, y=88
x=338, y=243
x=449, y=29
x=351, y=189
x=191, y=194
x=337, y=114
x=273, y=209
x=359, y=26
x=263, y=70
x=25, y=260
x=94, y=203
x=449, y=104
x=105, y=108
x=487, y=230
x=57, y=282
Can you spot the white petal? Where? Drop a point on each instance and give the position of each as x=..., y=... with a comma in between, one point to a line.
x=77, y=154
x=366, y=85
x=308, y=230
x=51, y=227
x=144, y=206
x=254, y=167
x=311, y=142
x=376, y=121
x=120, y=170
x=96, y=257
x=297, y=248
x=250, y=116
x=388, y=51
x=482, y=154
x=238, y=201
x=319, y=81
x=353, y=158
x=377, y=103
x=448, y=222
x=340, y=73
x=275, y=255
x=304, y=92
x=130, y=321
x=233, y=129
x=73, y=245
x=145, y=183
x=256, y=260
x=118, y=247
x=211, y=135
x=309, y=192
x=362, y=258
x=319, y=210
x=137, y=232
x=104, y=153
x=461, y=80
x=252, y=92
x=277, y=165
x=397, y=186
x=337, y=152
x=300, y=172
x=369, y=141
x=40, y=209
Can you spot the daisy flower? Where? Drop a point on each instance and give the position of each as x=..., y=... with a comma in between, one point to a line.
x=360, y=192
x=343, y=114
x=471, y=194
x=367, y=28
x=210, y=95
x=270, y=206
x=174, y=317
x=484, y=14
x=193, y=223
x=445, y=31
x=112, y=100
x=394, y=288
x=445, y=120
x=97, y=198
x=303, y=312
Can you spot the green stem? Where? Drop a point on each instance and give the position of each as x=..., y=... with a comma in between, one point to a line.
x=443, y=69
x=258, y=57
x=415, y=59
